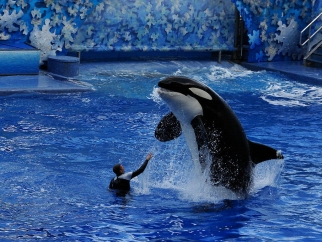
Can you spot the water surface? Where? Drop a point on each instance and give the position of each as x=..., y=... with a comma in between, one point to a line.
x=57, y=152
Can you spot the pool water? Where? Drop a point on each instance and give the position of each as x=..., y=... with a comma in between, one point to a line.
x=57, y=153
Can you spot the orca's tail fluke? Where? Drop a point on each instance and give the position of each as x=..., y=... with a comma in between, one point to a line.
x=260, y=152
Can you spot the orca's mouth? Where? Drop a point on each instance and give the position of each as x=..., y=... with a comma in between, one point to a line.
x=163, y=91
x=169, y=96
x=173, y=91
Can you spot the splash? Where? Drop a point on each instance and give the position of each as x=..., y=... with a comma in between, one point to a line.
x=292, y=94
x=227, y=71
x=174, y=169
x=266, y=174
x=155, y=96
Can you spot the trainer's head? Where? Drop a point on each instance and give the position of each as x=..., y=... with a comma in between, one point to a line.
x=118, y=169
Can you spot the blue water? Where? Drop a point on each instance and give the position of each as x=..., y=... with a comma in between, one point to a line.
x=57, y=153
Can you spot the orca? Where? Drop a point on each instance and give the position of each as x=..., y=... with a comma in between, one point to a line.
x=212, y=132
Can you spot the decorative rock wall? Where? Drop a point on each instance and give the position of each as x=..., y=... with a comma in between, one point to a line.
x=141, y=25
x=274, y=27
x=161, y=25
x=119, y=25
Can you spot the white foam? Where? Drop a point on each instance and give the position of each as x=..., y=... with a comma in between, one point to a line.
x=227, y=71
x=173, y=168
x=197, y=189
x=155, y=96
x=265, y=174
x=290, y=94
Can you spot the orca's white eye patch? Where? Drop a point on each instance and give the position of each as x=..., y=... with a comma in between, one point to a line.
x=200, y=93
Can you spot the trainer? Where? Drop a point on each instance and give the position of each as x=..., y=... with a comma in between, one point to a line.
x=122, y=180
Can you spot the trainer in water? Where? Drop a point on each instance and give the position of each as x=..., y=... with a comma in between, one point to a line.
x=214, y=135
x=122, y=180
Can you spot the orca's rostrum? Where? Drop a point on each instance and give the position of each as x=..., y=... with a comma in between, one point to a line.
x=212, y=130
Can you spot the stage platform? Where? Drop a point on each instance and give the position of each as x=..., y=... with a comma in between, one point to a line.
x=40, y=83
x=294, y=69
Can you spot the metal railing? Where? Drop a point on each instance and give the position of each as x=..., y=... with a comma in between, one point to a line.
x=309, y=27
x=308, y=40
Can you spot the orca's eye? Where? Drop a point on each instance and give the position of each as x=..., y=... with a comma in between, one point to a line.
x=200, y=93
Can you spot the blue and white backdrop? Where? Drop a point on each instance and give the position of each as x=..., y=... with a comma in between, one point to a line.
x=53, y=26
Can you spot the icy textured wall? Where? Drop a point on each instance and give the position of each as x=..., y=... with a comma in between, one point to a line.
x=49, y=25
x=125, y=25
x=274, y=27
x=119, y=25
x=159, y=25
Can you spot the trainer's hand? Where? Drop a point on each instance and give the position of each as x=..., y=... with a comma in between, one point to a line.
x=149, y=157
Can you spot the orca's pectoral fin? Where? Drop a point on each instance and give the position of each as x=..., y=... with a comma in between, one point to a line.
x=260, y=152
x=168, y=128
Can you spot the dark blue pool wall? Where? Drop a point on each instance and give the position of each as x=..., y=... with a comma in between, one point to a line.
x=122, y=26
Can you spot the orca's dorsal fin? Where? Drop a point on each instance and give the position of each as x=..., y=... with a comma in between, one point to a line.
x=168, y=128
x=260, y=152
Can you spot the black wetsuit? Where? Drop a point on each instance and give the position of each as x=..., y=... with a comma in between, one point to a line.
x=122, y=182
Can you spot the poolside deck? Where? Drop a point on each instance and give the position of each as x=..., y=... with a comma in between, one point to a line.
x=293, y=69
x=40, y=83
x=45, y=83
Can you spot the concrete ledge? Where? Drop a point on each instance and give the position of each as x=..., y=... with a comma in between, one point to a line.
x=40, y=83
x=293, y=69
x=18, y=58
x=19, y=62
